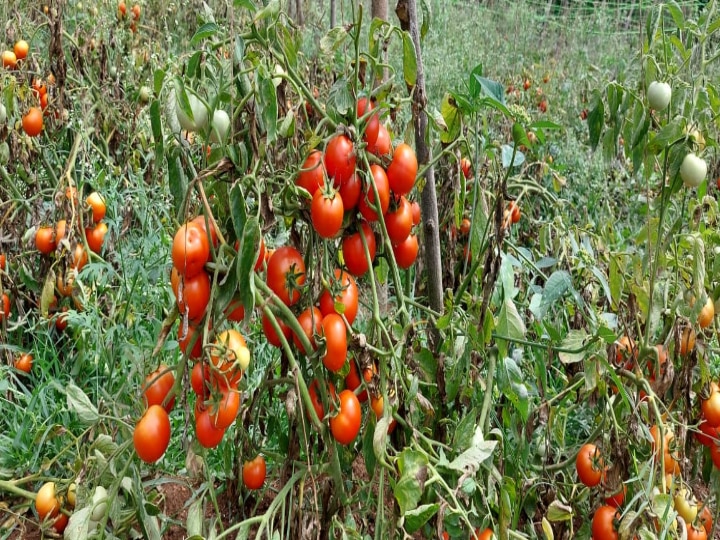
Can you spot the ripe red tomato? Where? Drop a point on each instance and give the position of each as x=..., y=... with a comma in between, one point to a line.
x=193, y=333
x=603, y=523
x=406, y=252
x=235, y=310
x=352, y=381
x=711, y=408
x=152, y=434
x=200, y=379
x=333, y=329
x=24, y=362
x=96, y=237
x=367, y=203
x=326, y=213
x=97, y=205
x=354, y=252
x=269, y=331
x=715, y=454
x=311, y=176
x=350, y=191
x=402, y=170
x=345, y=425
x=224, y=411
x=286, y=273
x=2, y=261
x=382, y=146
x=399, y=222
x=514, y=211
x=32, y=122
x=315, y=397
x=254, y=472
x=415, y=206
x=696, y=533
x=194, y=295
x=617, y=500
x=21, y=49
x=705, y=517
x=200, y=222
x=261, y=256
x=347, y=295
x=5, y=311
x=158, y=385
x=311, y=322
x=589, y=465
x=45, y=240
x=80, y=257
x=136, y=11
x=466, y=167
x=190, y=250
x=207, y=435
x=708, y=435
x=372, y=124
x=487, y=534
x=340, y=159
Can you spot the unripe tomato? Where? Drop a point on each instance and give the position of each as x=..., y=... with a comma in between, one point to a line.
x=199, y=120
x=9, y=60
x=707, y=313
x=345, y=425
x=685, y=505
x=693, y=170
x=158, y=385
x=47, y=505
x=152, y=434
x=687, y=340
x=254, y=472
x=230, y=356
x=659, y=94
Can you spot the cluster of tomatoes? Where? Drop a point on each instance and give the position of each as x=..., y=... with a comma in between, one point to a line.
x=67, y=242
x=32, y=121
x=53, y=506
x=134, y=10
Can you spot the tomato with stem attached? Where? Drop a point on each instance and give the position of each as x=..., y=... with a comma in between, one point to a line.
x=345, y=425
x=224, y=409
x=212, y=236
x=45, y=240
x=603, y=523
x=254, y=472
x=367, y=205
x=158, y=385
x=399, y=221
x=346, y=296
x=286, y=274
x=151, y=436
x=97, y=205
x=24, y=362
x=230, y=356
x=589, y=465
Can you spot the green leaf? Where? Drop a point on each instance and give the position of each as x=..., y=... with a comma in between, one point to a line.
x=487, y=87
x=331, y=41
x=238, y=210
x=205, y=31
x=181, y=98
x=369, y=451
x=340, y=96
x=425, y=19
x=519, y=135
x=464, y=431
x=413, y=472
x=78, y=402
x=418, y=517
x=575, y=340
x=603, y=281
x=158, y=78
x=271, y=10
x=555, y=288
x=77, y=527
x=509, y=324
x=409, y=60
x=557, y=511
x=452, y=119
x=268, y=106
x=666, y=136
x=596, y=119
x=177, y=180
x=508, y=160
x=676, y=13
x=195, y=518
x=156, y=125
x=471, y=459
x=247, y=4
x=195, y=65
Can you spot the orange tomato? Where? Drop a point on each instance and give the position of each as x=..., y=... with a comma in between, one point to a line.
x=24, y=362
x=9, y=60
x=21, y=49
x=32, y=122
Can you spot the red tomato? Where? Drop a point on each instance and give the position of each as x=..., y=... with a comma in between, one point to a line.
x=32, y=122
x=340, y=159
x=286, y=273
x=372, y=124
x=589, y=465
x=354, y=252
x=715, y=454
x=2, y=261
x=415, y=206
x=200, y=380
x=466, y=167
x=705, y=517
x=402, y=170
x=157, y=387
x=45, y=240
x=514, y=211
x=254, y=472
x=399, y=222
x=193, y=337
x=224, y=411
x=352, y=382
x=213, y=236
x=603, y=523
x=5, y=311
x=269, y=331
x=406, y=252
x=152, y=434
x=235, y=311
x=24, y=362
x=487, y=534
x=367, y=205
x=696, y=533
x=190, y=249
x=347, y=295
x=207, y=435
x=708, y=435
x=326, y=213
x=261, y=255
x=311, y=321
x=711, y=408
x=315, y=397
x=312, y=175
x=382, y=146
x=96, y=237
x=194, y=295
x=345, y=425
x=350, y=191
x=618, y=498
x=333, y=329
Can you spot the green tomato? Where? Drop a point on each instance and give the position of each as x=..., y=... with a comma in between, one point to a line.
x=685, y=505
x=220, y=126
x=199, y=119
x=144, y=94
x=659, y=94
x=3, y=114
x=693, y=170
x=99, y=503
